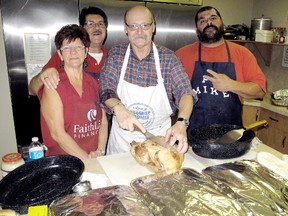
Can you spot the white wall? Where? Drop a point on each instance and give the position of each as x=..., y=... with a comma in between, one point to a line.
x=276, y=74
x=7, y=132
x=233, y=11
x=277, y=10
x=243, y=11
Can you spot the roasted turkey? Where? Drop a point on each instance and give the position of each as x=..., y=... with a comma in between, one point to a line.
x=156, y=157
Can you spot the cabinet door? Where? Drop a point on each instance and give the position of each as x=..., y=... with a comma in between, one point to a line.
x=276, y=134
x=250, y=114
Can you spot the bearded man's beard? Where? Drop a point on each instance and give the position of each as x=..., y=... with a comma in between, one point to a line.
x=211, y=38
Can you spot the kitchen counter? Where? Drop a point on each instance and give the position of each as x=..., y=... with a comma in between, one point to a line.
x=267, y=103
x=121, y=169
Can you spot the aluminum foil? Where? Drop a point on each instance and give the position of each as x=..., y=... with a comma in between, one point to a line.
x=185, y=192
x=240, y=188
x=257, y=189
x=114, y=200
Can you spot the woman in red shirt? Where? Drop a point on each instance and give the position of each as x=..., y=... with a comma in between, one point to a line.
x=72, y=121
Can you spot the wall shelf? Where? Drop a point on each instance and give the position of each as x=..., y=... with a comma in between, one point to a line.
x=265, y=49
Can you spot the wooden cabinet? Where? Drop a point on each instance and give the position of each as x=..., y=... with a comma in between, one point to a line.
x=276, y=134
x=250, y=114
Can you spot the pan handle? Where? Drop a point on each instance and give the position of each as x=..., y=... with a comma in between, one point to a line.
x=257, y=124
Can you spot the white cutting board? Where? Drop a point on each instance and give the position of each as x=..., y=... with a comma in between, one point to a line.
x=122, y=168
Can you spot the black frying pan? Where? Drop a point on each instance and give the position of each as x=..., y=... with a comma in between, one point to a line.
x=203, y=141
x=39, y=182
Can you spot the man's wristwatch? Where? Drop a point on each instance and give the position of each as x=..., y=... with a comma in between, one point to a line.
x=185, y=121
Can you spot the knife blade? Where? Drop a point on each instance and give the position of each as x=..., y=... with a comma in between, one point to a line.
x=154, y=138
x=157, y=139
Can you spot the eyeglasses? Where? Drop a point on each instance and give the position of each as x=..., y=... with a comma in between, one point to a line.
x=134, y=27
x=77, y=48
x=91, y=24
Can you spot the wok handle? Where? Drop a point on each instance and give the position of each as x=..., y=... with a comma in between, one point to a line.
x=256, y=124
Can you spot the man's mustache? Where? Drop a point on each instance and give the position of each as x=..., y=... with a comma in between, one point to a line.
x=97, y=32
x=209, y=26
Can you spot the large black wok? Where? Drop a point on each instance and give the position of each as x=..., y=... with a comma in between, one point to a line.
x=203, y=141
x=39, y=182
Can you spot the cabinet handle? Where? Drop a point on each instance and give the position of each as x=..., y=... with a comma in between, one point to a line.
x=257, y=115
x=276, y=120
x=283, y=142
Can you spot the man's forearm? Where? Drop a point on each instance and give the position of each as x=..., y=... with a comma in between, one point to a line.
x=48, y=77
x=35, y=84
x=112, y=103
x=248, y=90
x=185, y=106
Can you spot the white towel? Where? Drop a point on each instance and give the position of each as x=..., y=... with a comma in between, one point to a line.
x=274, y=163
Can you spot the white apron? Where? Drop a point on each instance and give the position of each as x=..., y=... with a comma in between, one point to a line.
x=149, y=104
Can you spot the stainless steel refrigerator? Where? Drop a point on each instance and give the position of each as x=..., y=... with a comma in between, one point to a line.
x=25, y=20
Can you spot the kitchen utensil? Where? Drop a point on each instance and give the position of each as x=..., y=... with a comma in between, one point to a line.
x=39, y=182
x=154, y=138
x=203, y=142
x=236, y=134
x=150, y=136
x=159, y=139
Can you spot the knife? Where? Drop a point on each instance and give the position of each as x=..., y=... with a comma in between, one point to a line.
x=156, y=139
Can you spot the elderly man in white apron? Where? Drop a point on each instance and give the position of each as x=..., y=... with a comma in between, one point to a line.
x=140, y=93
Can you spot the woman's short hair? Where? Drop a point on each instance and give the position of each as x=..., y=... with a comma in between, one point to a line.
x=71, y=33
